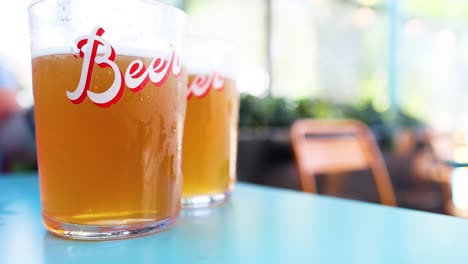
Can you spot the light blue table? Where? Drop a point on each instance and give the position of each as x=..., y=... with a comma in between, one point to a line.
x=259, y=225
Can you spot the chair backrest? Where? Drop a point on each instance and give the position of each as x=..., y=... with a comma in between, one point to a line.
x=335, y=147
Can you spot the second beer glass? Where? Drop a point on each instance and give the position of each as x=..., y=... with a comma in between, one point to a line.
x=210, y=136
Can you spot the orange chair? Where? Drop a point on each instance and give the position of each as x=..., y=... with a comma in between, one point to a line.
x=336, y=147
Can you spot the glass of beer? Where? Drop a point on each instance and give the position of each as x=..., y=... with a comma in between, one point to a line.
x=210, y=135
x=110, y=102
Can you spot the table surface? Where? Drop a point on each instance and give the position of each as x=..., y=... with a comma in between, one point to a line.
x=259, y=225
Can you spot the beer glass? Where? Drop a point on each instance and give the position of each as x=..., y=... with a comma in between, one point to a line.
x=110, y=101
x=210, y=135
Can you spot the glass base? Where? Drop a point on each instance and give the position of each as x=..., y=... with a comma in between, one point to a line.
x=204, y=201
x=104, y=232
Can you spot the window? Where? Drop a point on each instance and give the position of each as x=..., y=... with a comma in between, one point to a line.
x=329, y=49
x=243, y=23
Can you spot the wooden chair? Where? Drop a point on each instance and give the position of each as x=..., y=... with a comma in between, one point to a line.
x=336, y=147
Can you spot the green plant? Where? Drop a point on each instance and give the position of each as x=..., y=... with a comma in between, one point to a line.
x=252, y=112
x=272, y=111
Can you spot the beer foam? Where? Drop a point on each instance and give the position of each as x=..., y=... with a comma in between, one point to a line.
x=226, y=72
x=192, y=68
x=141, y=53
x=52, y=51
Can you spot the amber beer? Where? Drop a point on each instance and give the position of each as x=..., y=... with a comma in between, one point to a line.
x=210, y=139
x=112, y=159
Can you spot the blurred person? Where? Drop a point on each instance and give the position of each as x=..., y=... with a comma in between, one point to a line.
x=8, y=102
x=17, y=141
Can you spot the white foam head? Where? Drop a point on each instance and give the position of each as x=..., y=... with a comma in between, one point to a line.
x=206, y=54
x=194, y=69
x=51, y=51
x=118, y=50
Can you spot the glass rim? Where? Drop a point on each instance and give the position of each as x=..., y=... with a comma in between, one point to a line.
x=155, y=2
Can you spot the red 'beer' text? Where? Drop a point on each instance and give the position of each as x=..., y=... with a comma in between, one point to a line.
x=201, y=85
x=94, y=49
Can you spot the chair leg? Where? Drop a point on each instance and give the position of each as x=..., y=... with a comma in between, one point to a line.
x=446, y=198
x=383, y=184
x=334, y=183
x=377, y=166
x=308, y=183
x=443, y=177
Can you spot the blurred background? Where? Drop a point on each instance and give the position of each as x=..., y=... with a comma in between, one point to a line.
x=398, y=66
